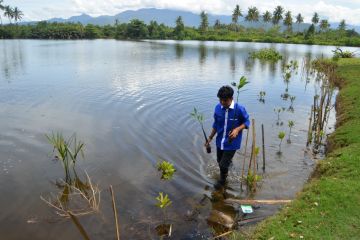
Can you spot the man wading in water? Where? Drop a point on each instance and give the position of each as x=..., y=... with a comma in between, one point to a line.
x=230, y=119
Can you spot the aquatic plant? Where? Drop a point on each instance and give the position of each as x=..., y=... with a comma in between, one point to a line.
x=269, y=54
x=200, y=118
x=291, y=107
x=291, y=125
x=252, y=179
x=278, y=111
x=281, y=136
x=167, y=170
x=288, y=70
x=339, y=53
x=242, y=83
x=67, y=151
x=163, y=201
x=262, y=96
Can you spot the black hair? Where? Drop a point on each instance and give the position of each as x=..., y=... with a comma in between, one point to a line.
x=225, y=92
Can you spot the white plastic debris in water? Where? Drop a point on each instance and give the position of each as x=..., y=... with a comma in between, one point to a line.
x=246, y=209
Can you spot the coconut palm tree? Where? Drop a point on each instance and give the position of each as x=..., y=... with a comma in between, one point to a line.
x=266, y=17
x=277, y=15
x=324, y=25
x=236, y=14
x=315, y=19
x=288, y=20
x=17, y=14
x=2, y=8
x=9, y=13
x=342, y=25
x=253, y=15
x=217, y=24
x=299, y=20
x=204, y=21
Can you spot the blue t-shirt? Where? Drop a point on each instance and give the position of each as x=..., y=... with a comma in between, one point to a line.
x=226, y=119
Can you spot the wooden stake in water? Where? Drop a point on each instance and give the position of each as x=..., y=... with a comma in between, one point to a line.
x=78, y=225
x=310, y=128
x=115, y=213
x=263, y=146
x=254, y=155
x=243, y=166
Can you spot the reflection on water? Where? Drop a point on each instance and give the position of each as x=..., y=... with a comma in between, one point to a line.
x=12, y=61
x=179, y=48
x=130, y=103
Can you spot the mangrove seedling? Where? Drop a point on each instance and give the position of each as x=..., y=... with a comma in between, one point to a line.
x=163, y=201
x=242, y=82
x=252, y=179
x=167, y=170
x=200, y=118
x=291, y=125
x=291, y=107
x=281, y=136
x=262, y=96
x=278, y=112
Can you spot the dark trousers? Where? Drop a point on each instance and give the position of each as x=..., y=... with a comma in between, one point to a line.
x=224, y=158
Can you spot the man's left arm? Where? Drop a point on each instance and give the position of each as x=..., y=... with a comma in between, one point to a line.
x=244, y=123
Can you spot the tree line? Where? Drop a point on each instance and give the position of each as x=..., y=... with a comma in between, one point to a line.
x=319, y=32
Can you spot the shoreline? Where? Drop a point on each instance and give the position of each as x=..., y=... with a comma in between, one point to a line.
x=327, y=207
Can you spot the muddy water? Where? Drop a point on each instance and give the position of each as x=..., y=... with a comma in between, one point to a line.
x=130, y=103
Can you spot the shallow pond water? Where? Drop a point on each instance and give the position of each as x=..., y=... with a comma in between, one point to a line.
x=130, y=103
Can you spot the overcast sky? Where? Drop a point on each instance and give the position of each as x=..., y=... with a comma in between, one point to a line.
x=334, y=10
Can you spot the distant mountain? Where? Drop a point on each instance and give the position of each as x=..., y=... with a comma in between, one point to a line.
x=168, y=17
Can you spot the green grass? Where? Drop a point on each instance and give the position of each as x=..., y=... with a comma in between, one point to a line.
x=329, y=205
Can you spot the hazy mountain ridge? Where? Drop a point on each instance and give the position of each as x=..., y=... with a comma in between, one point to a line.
x=168, y=17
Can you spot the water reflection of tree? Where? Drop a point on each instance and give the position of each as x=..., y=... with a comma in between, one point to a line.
x=179, y=49
x=232, y=58
x=249, y=64
x=12, y=58
x=202, y=53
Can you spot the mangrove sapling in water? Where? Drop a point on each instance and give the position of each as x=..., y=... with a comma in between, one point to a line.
x=291, y=125
x=281, y=136
x=163, y=201
x=291, y=107
x=262, y=96
x=242, y=82
x=251, y=180
x=167, y=170
x=278, y=111
x=200, y=118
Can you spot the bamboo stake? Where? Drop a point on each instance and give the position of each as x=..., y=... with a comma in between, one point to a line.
x=115, y=213
x=243, y=166
x=263, y=146
x=310, y=128
x=254, y=202
x=254, y=155
x=78, y=225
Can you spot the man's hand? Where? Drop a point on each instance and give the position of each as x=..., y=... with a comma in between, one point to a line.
x=207, y=144
x=234, y=133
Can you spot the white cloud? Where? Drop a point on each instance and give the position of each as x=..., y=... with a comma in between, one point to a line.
x=334, y=10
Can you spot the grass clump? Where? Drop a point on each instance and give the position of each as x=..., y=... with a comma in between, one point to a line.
x=269, y=54
x=339, y=53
